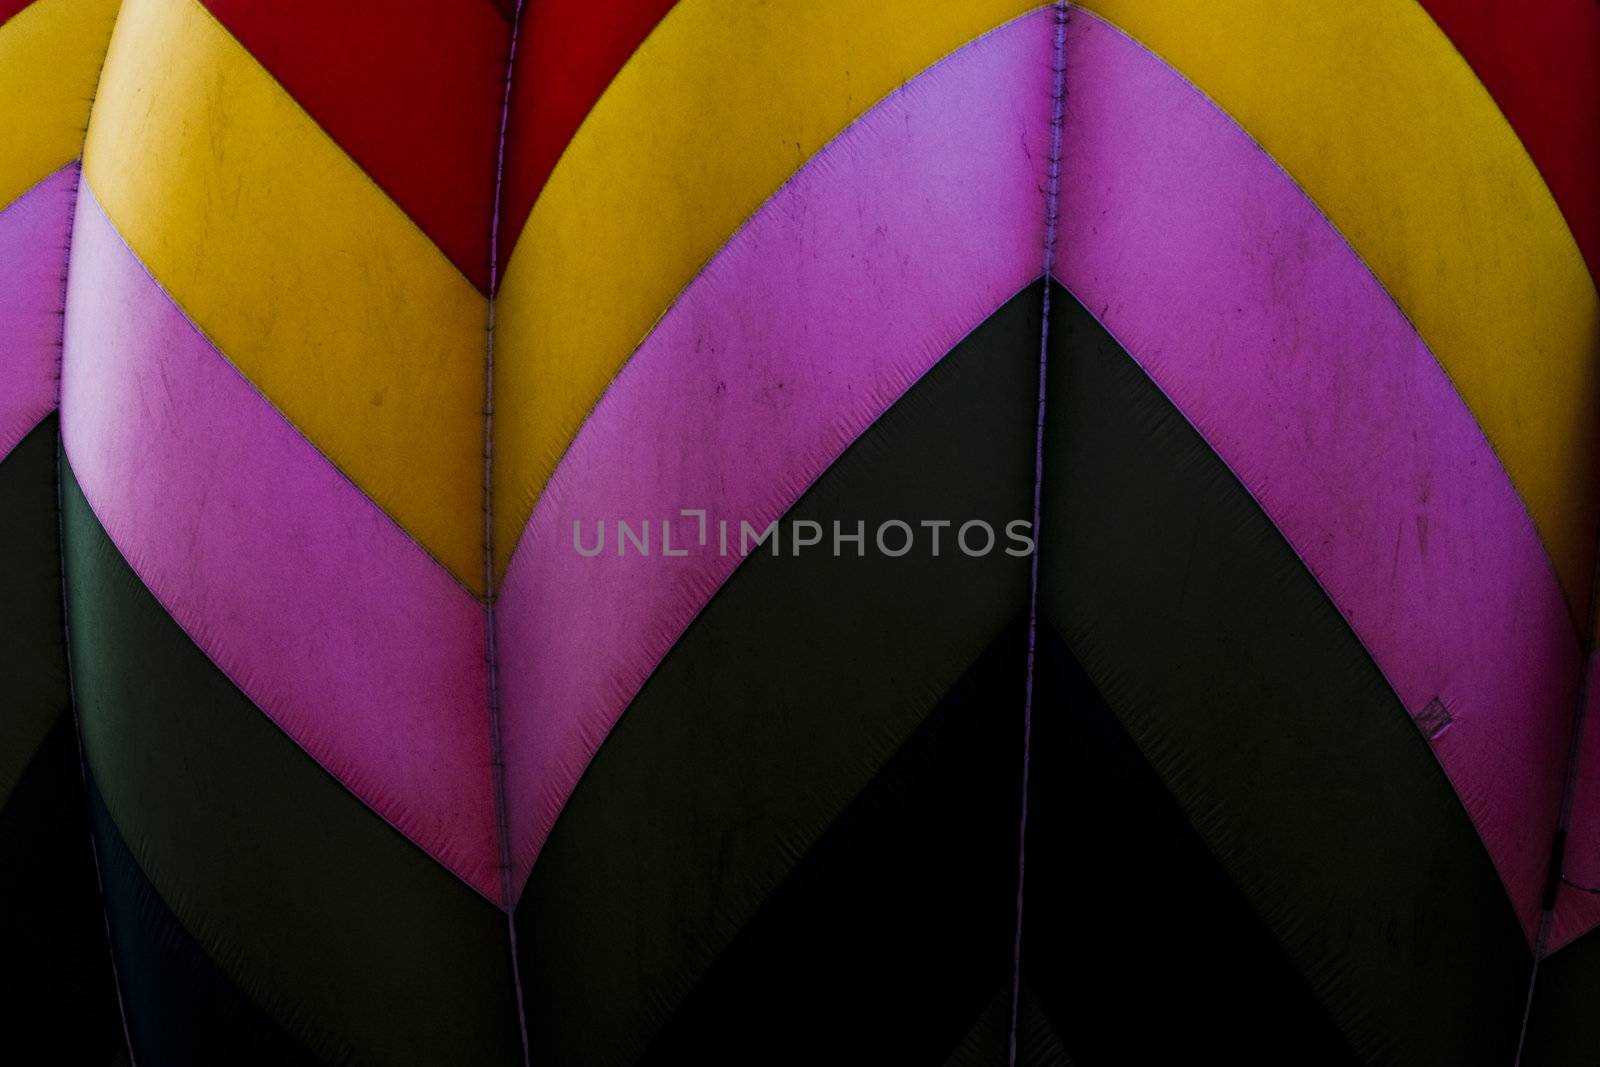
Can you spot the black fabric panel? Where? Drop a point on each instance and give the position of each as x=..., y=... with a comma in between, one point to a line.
x=1268, y=722
x=56, y=991
x=889, y=937
x=33, y=654
x=1564, y=1025
x=347, y=935
x=785, y=697
x=182, y=1009
x=1136, y=943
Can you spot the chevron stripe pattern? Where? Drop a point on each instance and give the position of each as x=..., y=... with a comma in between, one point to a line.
x=332, y=335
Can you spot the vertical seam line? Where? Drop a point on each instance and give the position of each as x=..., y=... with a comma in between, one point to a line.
x=61, y=549
x=490, y=647
x=83, y=760
x=1569, y=788
x=1052, y=195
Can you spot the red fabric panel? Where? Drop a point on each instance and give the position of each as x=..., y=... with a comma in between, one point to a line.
x=412, y=91
x=567, y=53
x=1540, y=60
x=11, y=7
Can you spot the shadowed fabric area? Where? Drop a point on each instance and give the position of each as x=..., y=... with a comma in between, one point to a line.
x=338, y=928
x=1269, y=725
x=55, y=975
x=791, y=692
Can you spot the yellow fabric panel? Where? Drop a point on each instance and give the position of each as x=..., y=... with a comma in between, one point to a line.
x=298, y=267
x=1370, y=108
x=50, y=54
x=721, y=103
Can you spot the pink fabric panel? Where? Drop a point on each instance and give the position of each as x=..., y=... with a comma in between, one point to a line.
x=322, y=610
x=33, y=271
x=1255, y=317
x=1577, y=910
x=884, y=251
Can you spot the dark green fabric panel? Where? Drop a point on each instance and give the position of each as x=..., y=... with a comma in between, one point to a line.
x=33, y=663
x=988, y=1041
x=784, y=698
x=1564, y=1025
x=891, y=933
x=56, y=993
x=349, y=936
x=1267, y=721
x=1040, y=1045
x=988, y=1037
x=182, y=1010
x=56, y=990
x=1106, y=840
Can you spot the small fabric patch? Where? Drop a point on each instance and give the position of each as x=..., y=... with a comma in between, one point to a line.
x=1434, y=719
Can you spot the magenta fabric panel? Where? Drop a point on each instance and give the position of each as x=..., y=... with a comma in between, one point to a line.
x=1578, y=909
x=322, y=610
x=33, y=268
x=869, y=265
x=1250, y=311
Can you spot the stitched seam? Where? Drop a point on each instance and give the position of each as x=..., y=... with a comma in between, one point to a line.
x=322, y=453
x=733, y=236
x=490, y=647
x=1455, y=386
x=1555, y=875
x=61, y=547
x=1052, y=196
